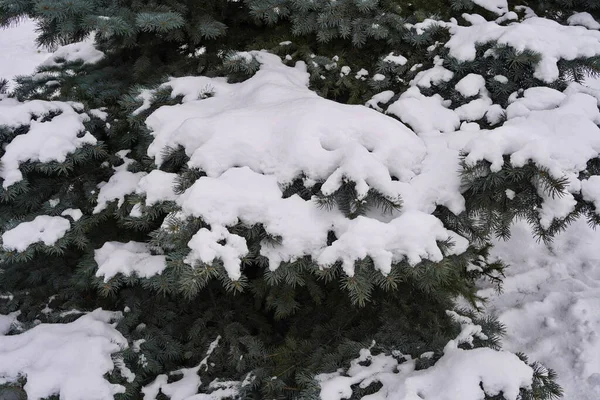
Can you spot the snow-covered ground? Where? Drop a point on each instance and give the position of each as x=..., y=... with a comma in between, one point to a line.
x=19, y=54
x=551, y=299
x=551, y=302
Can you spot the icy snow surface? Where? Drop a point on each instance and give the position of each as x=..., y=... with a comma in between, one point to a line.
x=68, y=360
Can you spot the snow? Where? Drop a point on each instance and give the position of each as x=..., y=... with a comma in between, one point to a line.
x=583, y=19
x=74, y=213
x=18, y=45
x=186, y=388
x=287, y=133
x=590, y=189
x=45, y=141
x=496, y=6
x=550, y=304
x=395, y=59
x=157, y=186
x=424, y=114
x=471, y=85
x=550, y=39
x=8, y=321
x=120, y=184
x=287, y=130
x=459, y=374
x=81, y=51
x=559, y=133
x=382, y=97
x=68, y=360
x=43, y=228
x=128, y=259
x=433, y=76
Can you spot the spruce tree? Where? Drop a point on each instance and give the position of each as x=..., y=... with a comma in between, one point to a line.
x=269, y=329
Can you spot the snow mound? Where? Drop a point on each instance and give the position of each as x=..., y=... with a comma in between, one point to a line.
x=45, y=141
x=583, y=19
x=550, y=304
x=127, y=258
x=275, y=125
x=68, y=360
x=43, y=229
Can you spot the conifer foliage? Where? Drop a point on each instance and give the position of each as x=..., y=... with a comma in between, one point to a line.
x=298, y=222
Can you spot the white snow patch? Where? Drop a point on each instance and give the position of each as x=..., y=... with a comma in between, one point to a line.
x=43, y=229
x=424, y=114
x=550, y=39
x=19, y=50
x=583, y=19
x=471, y=85
x=81, y=51
x=45, y=141
x=496, y=6
x=69, y=360
x=128, y=259
x=74, y=213
x=157, y=186
x=549, y=303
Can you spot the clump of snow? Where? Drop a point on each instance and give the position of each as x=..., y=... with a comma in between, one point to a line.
x=7, y=322
x=68, y=360
x=120, y=184
x=549, y=303
x=43, y=229
x=128, y=258
x=157, y=186
x=74, y=213
x=583, y=19
x=496, y=6
x=81, y=51
x=242, y=195
x=382, y=97
x=471, y=85
x=395, y=59
x=590, y=189
x=560, y=41
x=45, y=141
x=434, y=76
x=459, y=374
x=423, y=113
